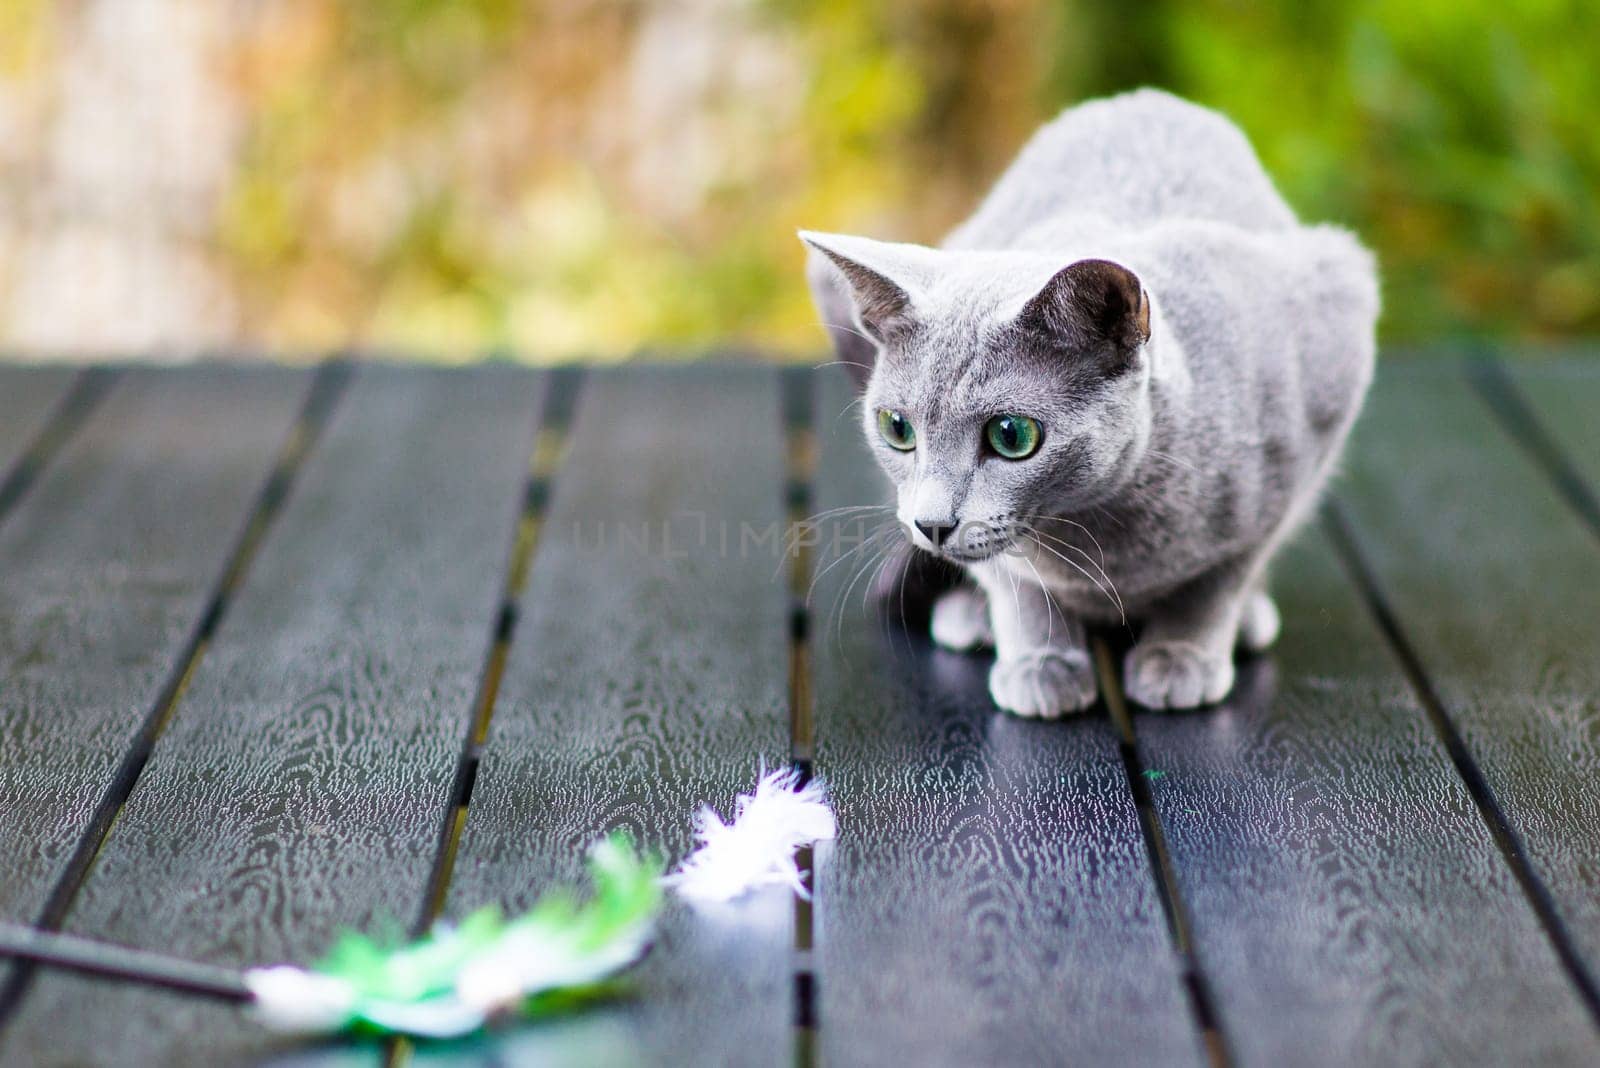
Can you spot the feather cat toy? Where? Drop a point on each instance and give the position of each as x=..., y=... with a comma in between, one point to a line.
x=458, y=978
x=758, y=848
x=442, y=986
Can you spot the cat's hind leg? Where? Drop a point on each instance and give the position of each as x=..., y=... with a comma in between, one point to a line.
x=961, y=620
x=1259, y=622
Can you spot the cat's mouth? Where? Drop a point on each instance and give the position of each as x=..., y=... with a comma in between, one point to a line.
x=973, y=547
x=972, y=542
x=965, y=556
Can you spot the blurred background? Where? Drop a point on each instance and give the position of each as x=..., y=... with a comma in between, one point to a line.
x=552, y=179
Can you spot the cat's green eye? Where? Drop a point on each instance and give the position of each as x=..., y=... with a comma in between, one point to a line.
x=896, y=430
x=1015, y=437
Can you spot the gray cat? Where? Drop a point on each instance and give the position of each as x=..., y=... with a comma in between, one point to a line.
x=1109, y=396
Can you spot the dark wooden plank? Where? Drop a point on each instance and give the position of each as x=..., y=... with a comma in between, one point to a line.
x=1496, y=584
x=29, y=398
x=106, y=567
x=1347, y=903
x=303, y=782
x=1562, y=398
x=647, y=678
x=989, y=899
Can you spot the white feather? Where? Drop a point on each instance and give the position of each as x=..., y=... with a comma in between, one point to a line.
x=758, y=848
x=292, y=999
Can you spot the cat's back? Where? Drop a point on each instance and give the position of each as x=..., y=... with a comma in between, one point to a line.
x=1132, y=159
x=1275, y=330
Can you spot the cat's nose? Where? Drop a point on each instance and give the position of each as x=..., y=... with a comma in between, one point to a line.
x=936, y=532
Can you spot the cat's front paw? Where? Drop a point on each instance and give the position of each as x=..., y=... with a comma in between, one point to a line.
x=1043, y=684
x=1175, y=674
x=961, y=621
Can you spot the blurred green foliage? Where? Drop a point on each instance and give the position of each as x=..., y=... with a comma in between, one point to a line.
x=1459, y=137
x=595, y=177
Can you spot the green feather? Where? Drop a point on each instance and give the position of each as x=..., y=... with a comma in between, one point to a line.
x=558, y=955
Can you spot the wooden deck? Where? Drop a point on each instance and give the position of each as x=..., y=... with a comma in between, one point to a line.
x=286, y=651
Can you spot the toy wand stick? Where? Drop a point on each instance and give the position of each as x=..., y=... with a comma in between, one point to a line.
x=458, y=977
x=448, y=983
x=111, y=961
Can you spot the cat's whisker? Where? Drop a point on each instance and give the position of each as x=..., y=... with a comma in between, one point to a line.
x=1098, y=548
x=877, y=573
x=1167, y=456
x=905, y=570
x=1033, y=524
x=869, y=552
x=1016, y=599
x=855, y=556
x=823, y=573
x=864, y=539
x=1106, y=514
x=845, y=410
x=1104, y=583
x=1110, y=594
x=797, y=530
x=1107, y=590
x=847, y=509
x=844, y=553
x=1040, y=536
x=842, y=518
x=861, y=547
x=873, y=562
x=1049, y=603
x=874, y=567
x=850, y=330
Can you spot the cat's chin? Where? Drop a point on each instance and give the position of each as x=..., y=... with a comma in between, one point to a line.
x=966, y=559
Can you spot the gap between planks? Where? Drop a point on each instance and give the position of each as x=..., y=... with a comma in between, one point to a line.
x=1516, y=415
x=1512, y=410
x=799, y=417
x=801, y=435
x=321, y=398
x=549, y=451
x=1196, y=988
x=800, y=455
x=88, y=389
x=1346, y=539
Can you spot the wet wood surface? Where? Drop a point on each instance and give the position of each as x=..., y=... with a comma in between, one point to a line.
x=1348, y=904
x=29, y=402
x=647, y=678
x=285, y=652
x=990, y=880
x=107, y=566
x=1496, y=583
x=303, y=781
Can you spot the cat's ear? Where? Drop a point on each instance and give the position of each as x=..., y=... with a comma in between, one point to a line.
x=1093, y=304
x=861, y=285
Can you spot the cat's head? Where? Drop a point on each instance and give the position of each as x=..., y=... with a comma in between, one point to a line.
x=999, y=387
